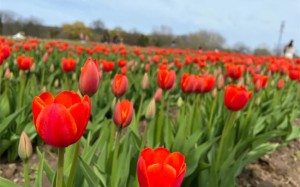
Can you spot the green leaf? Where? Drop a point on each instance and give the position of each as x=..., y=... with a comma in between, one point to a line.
x=89, y=174
x=8, y=120
x=7, y=183
x=39, y=176
x=49, y=173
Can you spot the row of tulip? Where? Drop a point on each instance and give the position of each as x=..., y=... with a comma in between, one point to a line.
x=210, y=125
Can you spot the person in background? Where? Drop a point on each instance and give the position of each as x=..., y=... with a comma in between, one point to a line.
x=173, y=44
x=289, y=50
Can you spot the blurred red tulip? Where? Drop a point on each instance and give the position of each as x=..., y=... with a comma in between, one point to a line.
x=236, y=98
x=24, y=62
x=187, y=83
x=158, y=94
x=68, y=64
x=234, y=71
x=60, y=121
x=119, y=85
x=280, y=84
x=123, y=113
x=166, y=79
x=160, y=168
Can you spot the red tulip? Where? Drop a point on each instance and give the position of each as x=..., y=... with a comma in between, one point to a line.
x=166, y=79
x=123, y=113
x=89, y=78
x=234, y=71
x=60, y=121
x=158, y=94
x=68, y=64
x=294, y=74
x=119, y=85
x=260, y=79
x=122, y=62
x=187, y=83
x=204, y=83
x=280, y=84
x=236, y=97
x=107, y=66
x=24, y=62
x=160, y=168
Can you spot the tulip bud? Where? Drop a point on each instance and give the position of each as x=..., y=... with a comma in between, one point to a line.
x=258, y=85
x=151, y=109
x=179, y=102
x=214, y=93
x=220, y=82
x=145, y=81
x=158, y=94
x=32, y=68
x=280, y=84
x=123, y=113
x=7, y=73
x=56, y=83
x=45, y=57
x=113, y=104
x=25, y=147
x=257, y=101
x=52, y=68
x=89, y=78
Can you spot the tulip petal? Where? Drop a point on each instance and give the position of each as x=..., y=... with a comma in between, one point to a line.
x=161, y=175
x=67, y=98
x=177, y=161
x=60, y=129
x=81, y=115
x=142, y=173
x=37, y=106
x=47, y=97
x=155, y=156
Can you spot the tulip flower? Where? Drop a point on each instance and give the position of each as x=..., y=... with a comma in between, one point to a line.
x=119, y=85
x=123, y=113
x=89, y=78
x=204, y=83
x=145, y=81
x=236, y=98
x=166, y=79
x=280, y=84
x=68, y=64
x=60, y=121
x=187, y=83
x=25, y=147
x=234, y=71
x=24, y=62
x=158, y=94
x=160, y=168
x=260, y=80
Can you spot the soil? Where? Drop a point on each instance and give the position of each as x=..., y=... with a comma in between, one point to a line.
x=278, y=169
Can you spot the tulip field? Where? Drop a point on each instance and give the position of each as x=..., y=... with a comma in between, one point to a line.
x=121, y=116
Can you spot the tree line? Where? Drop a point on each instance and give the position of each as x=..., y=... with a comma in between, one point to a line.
x=162, y=36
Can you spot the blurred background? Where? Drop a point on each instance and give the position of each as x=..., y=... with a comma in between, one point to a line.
x=261, y=27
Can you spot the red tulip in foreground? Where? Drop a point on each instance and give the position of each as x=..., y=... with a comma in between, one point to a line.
x=166, y=79
x=60, y=121
x=123, y=113
x=89, y=78
x=236, y=98
x=160, y=168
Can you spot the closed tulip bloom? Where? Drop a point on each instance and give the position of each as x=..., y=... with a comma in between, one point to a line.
x=262, y=79
x=123, y=113
x=68, y=64
x=158, y=94
x=280, y=84
x=25, y=147
x=236, y=98
x=151, y=110
x=294, y=74
x=160, y=168
x=89, y=78
x=24, y=62
x=145, y=81
x=166, y=78
x=204, y=83
x=187, y=83
x=60, y=121
x=234, y=71
x=119, y=85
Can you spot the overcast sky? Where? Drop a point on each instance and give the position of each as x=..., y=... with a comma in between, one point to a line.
x=253, y=22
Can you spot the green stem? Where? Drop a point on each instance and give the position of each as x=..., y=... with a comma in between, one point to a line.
x=159, y=123
x=111, y=138
x=1, y=75
x=60, y=167
x=66, y=83
x=210, y=124
x=224, y=147
x=22, y=88
x=74, y=165
x=140, y=108
x=26, y=173
x=145, y=135
x=115, y=158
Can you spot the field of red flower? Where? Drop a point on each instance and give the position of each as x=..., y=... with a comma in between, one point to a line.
x=130, y=116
